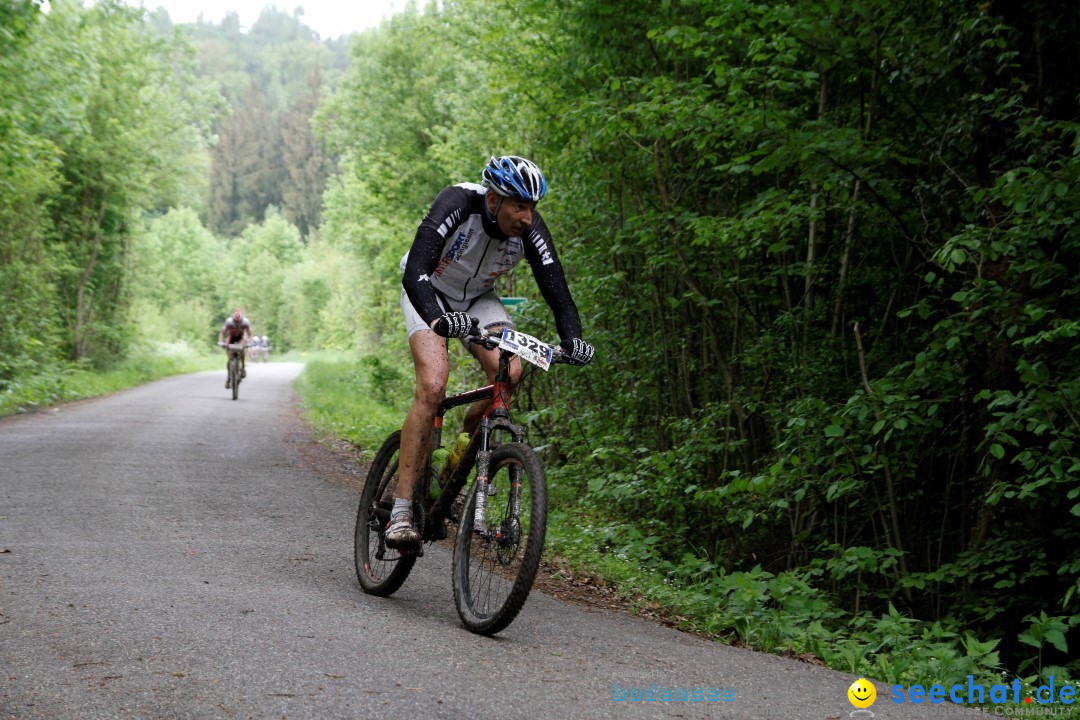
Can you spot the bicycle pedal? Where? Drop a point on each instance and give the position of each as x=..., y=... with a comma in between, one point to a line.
x=413, y=551
x=436, y=534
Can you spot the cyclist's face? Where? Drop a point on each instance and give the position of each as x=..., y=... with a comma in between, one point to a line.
x=515, y=215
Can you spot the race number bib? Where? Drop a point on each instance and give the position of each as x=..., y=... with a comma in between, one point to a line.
x=526, y=347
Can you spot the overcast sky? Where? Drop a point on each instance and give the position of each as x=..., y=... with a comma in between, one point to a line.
x=329, y=18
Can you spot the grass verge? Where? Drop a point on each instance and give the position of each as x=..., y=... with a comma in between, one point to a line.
x=359, y=400
x=72, y=381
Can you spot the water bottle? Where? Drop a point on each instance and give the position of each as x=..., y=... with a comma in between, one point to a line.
x=438, y=466
x=457, y=451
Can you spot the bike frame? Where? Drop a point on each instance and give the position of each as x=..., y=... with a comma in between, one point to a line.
x=478, y=451
x=236, y=351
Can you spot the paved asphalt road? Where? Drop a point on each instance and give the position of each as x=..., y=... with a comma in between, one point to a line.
x=166, y=552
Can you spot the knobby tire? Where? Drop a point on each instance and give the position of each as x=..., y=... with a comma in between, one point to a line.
x=493, y=577
x=234, y=376
x=383, y=575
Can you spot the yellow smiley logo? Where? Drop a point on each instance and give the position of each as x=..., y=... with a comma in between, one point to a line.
x=862, y=693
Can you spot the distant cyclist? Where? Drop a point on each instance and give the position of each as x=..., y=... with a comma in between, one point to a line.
x=236, y=329
x=265, y=345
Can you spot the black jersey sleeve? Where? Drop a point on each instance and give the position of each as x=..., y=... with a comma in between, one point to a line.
x=548, y=271
x=447, y=212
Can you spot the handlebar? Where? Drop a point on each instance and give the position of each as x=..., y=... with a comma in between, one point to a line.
x=490, y=341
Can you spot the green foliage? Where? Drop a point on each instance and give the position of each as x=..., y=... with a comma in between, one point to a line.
x=29, y=165
x=265, y=154
x=62, y=382
x=176, y=274
x=778, y=612
x=362, y=401
x=100, y=118
x=254, y=271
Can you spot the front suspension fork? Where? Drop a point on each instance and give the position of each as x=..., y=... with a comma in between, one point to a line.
x=484, y=488
x=483, y=464
x=483, y=461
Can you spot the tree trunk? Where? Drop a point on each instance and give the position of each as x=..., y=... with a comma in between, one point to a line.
x=811, y=239
x=84, y=306
x=849, y=235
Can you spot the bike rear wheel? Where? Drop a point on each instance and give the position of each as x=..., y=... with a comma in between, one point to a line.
x=494, y=570
x=381, y=570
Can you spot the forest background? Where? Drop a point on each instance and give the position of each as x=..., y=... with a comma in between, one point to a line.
x=822, y=250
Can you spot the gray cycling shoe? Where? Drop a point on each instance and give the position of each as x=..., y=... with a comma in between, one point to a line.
x=401, y=533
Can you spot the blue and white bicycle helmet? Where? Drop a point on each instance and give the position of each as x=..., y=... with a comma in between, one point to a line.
x=513, y=176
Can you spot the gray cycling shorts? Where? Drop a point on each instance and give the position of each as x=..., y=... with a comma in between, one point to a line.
x=487, y=308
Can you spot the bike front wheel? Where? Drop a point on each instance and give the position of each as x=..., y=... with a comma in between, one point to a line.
x=495, y=565
x=381, y=570
x=234, y=375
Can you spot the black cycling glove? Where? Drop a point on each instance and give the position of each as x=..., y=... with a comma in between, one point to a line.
x=576, y=351
x=455, y=325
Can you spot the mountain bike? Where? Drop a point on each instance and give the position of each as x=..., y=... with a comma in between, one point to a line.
x=500, y=525
x=236, y=364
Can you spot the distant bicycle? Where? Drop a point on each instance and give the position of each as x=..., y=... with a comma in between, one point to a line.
x=236, y=361
x=501, y=529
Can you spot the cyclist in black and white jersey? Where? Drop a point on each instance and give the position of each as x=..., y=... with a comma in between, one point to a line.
x=237, y=329
x=472, y=235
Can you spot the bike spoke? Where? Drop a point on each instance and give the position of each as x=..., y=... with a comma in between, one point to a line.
x=380, y=569
x=494, y=570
